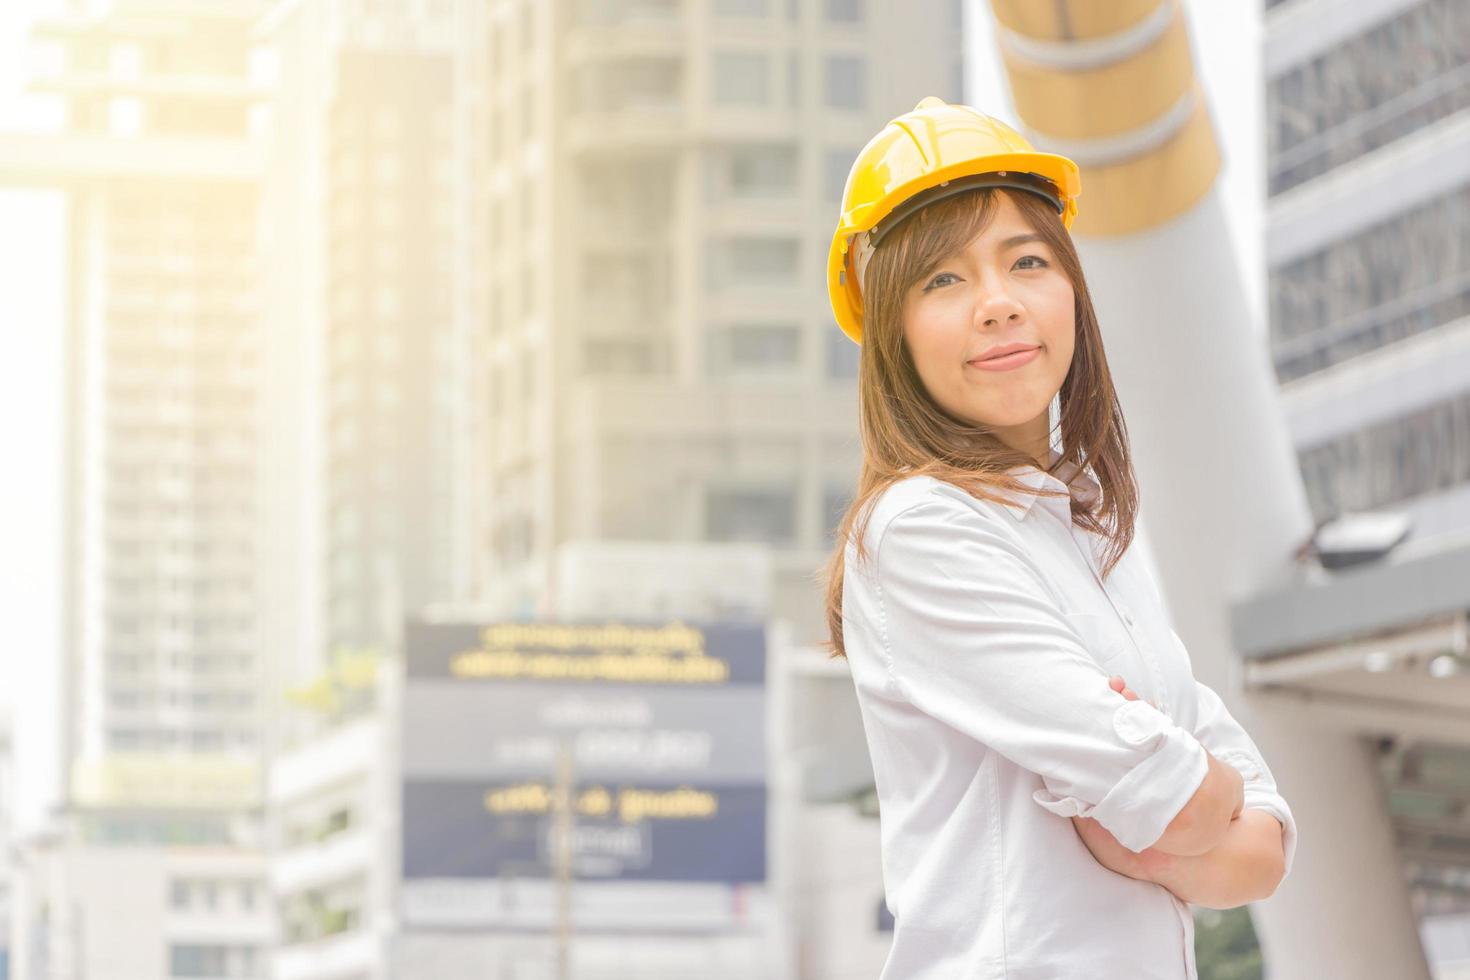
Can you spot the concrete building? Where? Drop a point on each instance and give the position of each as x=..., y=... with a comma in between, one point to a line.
x=83, y=906
x=1368, y=157
x=359, y=205
x=333, y=805
x=657, y=190
x=154, y=868
x=1370, y=301
x=162, y=359
x=655, y=183
x=390, y=358
x=378, y=872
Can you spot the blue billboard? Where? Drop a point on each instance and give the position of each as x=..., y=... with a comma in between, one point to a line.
x=664, y=724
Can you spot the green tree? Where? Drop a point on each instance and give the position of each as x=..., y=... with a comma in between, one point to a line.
x=1225, y=946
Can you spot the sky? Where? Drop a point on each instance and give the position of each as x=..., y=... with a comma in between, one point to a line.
x=31, y=283
x=30, y=440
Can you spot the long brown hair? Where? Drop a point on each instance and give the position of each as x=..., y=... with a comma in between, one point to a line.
x=906, y=433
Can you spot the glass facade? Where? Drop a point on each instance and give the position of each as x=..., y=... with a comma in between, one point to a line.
x=1388, y=282
x=1420, y=453
x=1393, y=80
x=751, y=514
x=1402, y=280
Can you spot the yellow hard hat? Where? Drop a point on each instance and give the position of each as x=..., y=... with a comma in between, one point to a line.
x=934, y=151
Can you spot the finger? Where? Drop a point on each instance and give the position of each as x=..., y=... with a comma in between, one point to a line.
x=1116, y=682
x=1130, y=694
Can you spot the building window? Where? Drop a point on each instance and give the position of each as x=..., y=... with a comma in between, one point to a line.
x=842, y=355
x=754, y=261
x=1410, y=456
x=197, y=961
x=612, y=356
x=212, y=960
x=845, y=82
x=1383, y=284
x=844, y=11
x=742, y=79
x=751, y=514
x=753, y=349
x=1401, y=76
x=651, y=83
x=740, y=8
x=125, y=116
x=753, y=171
x=836, y=164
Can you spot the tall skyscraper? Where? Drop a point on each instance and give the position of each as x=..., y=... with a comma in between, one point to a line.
x=366, y=339
x=163, y=663
x=658, y=187
x=390, y=359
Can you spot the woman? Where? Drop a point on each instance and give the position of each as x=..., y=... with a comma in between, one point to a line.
x=1040, y=817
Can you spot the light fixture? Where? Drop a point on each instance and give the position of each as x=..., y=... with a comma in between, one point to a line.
x=1354, y=538
x=1444, y=665
x=1378, y=661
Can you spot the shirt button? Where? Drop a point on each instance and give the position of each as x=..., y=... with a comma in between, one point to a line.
x=1127, y=617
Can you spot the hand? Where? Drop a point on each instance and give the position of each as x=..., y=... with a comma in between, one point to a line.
x=1149, y=864
x=1117, y=683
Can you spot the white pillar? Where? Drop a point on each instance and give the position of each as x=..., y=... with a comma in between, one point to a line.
x=1222, y=496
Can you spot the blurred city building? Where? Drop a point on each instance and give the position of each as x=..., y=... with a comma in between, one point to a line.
x=1368, y=251
x=194, y=906
x=656, y=189
x=551, y=289
x=425, y=837
x=163, y=709
x=371, y=430
x=467, y=312
x=333, y=812
x=162, y=352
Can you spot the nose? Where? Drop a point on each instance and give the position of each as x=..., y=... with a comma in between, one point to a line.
x=996, y=306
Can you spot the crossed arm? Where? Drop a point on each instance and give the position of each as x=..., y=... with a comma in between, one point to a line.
x=1246, y=865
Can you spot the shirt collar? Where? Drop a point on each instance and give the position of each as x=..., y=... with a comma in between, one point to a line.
x=1069, y=477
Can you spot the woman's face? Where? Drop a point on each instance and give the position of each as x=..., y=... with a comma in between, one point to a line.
x=997, y=290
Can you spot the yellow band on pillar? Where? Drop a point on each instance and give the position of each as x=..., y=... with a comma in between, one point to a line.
x=1108, y=100
x=1071, y=20
x=1148, y=190
x=1113, y=86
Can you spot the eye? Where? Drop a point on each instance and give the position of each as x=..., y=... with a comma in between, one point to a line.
x=1036, y=257
x=941, y=280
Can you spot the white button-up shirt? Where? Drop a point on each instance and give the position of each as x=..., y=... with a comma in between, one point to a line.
x=980, y=637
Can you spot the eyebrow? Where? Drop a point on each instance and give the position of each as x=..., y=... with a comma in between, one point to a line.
x=1015, y=240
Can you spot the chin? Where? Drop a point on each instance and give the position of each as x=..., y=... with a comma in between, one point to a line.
x=1009, y=420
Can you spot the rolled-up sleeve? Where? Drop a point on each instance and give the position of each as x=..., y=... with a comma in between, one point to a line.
x=974, y=638
x=1227, y=741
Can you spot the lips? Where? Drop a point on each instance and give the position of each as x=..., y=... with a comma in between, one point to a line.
x=1021, y=355
x=1003, y=350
